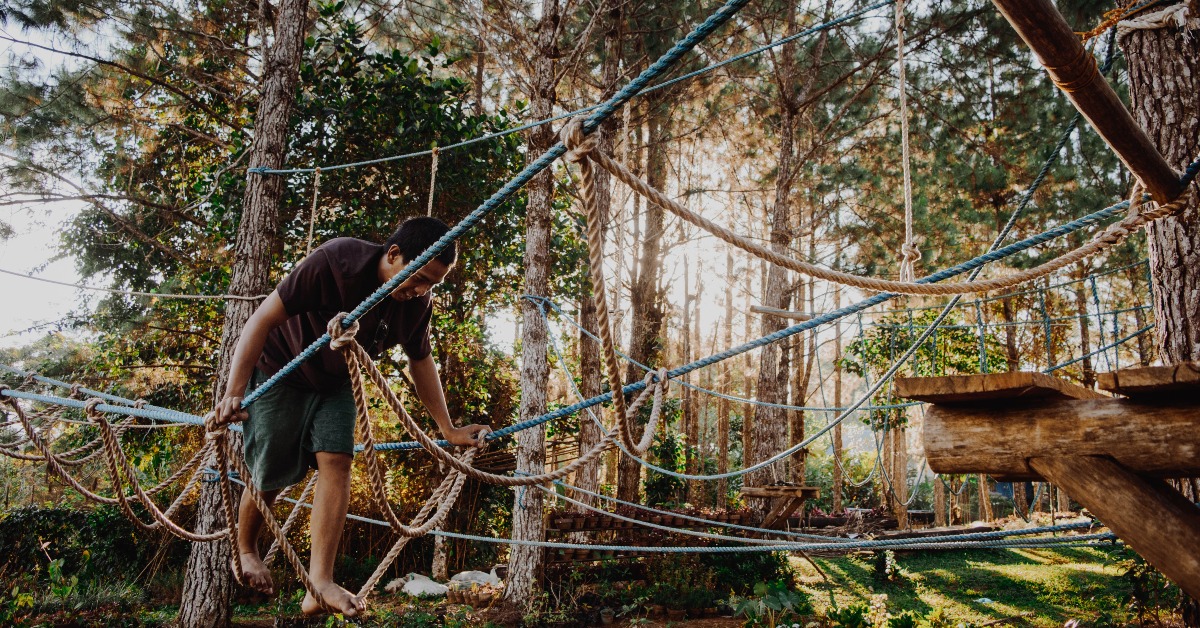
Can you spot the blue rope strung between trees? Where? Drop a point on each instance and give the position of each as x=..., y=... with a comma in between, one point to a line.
x=525, y=127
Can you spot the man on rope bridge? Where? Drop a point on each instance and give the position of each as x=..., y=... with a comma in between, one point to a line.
x=308, y=421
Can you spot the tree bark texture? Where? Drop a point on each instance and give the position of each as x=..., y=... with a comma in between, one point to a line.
x=525, y=562
x=1164, y=85
x=208, y=580
x=646, y=299
x=726, y=387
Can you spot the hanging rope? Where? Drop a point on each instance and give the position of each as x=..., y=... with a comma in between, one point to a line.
x=433, y=166
x=909, y=252
x=312, y=213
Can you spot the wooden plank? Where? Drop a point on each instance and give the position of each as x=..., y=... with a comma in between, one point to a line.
x=1074, y=70
x=1160, y=438
x=1153, y=518
x=1152, y=381
x=804, y=492
x=990, y=386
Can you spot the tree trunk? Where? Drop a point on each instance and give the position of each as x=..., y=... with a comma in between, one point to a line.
x=1164, y=81
x=525, y=562
x=645, y=303
x=1085, y=333
x=838, y=480
x=1010, y=335
x=695, y=451
x=726, y=387
x=440, y=569
x=799, y=389
x=939, y=503
x=208, y=580
x=900, y=475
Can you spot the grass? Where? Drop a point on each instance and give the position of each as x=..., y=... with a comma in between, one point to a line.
x=1046, y=586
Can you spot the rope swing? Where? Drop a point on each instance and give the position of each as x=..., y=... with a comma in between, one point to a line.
x=909, y=252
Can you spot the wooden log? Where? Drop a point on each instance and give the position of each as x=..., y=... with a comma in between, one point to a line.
x=1074, y=70
x=1160, y=439
x=1153, y=518
x=1153, y=381
x=974, y=388
x=803, y=492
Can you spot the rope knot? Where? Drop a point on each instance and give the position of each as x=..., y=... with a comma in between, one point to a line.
x=30, y=379
x=910, y=255
x=89, y=407
x=579, y=145
x=76, y=391
x=139, y=403
x=213, y=428
x=341, y=337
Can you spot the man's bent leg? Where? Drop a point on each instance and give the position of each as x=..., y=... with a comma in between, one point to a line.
x=250, y=524
x=330, y=502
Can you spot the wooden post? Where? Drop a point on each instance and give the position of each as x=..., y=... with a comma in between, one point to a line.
x=1073, y=69
x=1152, y=517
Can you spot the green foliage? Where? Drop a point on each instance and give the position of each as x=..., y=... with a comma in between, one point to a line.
x=14, y=604
x=954, y=349
x=739, y=572
x=850, y=617
x=668, y=453
x=772, y=604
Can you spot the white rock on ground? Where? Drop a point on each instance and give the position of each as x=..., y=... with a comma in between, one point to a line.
x=477, y=577
x=417, y=585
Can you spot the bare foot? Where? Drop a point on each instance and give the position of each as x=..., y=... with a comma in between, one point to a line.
x=256, y=574
x=338, y=599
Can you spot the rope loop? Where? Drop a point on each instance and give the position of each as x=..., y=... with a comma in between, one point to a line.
x=30, y=379
x=342, y=338
x=579, y=145
x=139, y=403
x=76, y=391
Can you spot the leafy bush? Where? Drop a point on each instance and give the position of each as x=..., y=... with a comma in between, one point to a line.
x=741, y=571
x=772, y=604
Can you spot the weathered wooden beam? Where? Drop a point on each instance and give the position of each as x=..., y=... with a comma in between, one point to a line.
x=1154, y=519
x=1074, y=70
x=990, y=386
x=1160, y=438
x=804, y=492
x=1153, y=381
x=774, y=311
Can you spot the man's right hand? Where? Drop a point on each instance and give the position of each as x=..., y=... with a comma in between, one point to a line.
x=229, y=410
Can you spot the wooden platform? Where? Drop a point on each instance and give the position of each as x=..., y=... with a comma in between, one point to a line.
x=1108, y=453
x=788, y=499
x=1152, y=381
x=976, y=388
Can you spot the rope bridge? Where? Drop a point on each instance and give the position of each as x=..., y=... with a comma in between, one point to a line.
x=578, y=144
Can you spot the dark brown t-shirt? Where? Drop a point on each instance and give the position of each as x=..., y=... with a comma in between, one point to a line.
x=336, y=277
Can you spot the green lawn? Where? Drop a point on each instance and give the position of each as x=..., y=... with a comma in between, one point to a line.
x=1047, y=586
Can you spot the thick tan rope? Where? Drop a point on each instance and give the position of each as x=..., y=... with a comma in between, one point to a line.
x=1107, y=238
x=292, y=516
x=433, y=168
x=431, y=445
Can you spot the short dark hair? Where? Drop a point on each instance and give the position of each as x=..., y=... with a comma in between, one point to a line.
x=419, y=233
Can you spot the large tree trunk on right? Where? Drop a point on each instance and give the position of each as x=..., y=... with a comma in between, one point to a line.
x=208, y=580
x=1164, y=84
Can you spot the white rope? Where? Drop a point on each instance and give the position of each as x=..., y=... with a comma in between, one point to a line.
x=433, y=166
x=312, y=213
x=910, y=254
x=135, y=293
x=1177, y=15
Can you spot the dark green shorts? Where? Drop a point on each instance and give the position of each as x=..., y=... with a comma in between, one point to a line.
x=288, y=425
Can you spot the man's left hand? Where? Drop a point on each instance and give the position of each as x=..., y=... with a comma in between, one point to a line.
x=468, y=436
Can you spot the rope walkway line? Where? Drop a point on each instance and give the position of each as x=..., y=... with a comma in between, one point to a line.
x=812, y=30
x=136, y=293
x=1107, y=238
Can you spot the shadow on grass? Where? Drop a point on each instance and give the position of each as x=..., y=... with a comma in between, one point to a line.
x=1054, y=585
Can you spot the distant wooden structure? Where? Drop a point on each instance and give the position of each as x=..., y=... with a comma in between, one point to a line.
x=788, y=498
x=1109, y=453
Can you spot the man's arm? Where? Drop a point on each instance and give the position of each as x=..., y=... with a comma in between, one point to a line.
x=429, y=390
x=269, y=315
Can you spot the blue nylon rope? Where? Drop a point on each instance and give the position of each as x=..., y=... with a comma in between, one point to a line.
x=524, y=127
